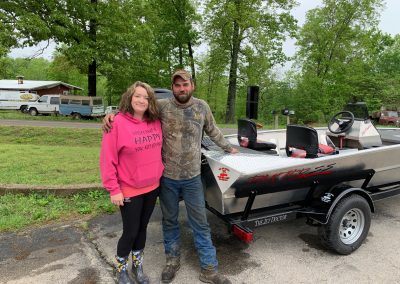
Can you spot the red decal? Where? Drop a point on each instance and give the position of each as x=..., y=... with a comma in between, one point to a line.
x=224, y=174
x=292, y=175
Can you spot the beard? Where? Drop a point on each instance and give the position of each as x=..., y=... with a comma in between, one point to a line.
x=183, y=97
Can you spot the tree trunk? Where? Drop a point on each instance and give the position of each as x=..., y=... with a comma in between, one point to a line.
x=230, y=104
x=192, y=61
x=180, y=56
x=92, y=80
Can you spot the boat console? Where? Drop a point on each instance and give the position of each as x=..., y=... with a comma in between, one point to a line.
x=352, y=128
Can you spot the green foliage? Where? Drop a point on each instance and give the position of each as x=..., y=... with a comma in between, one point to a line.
x=31, y=69
x=173, y=24
x=245, y=32
x=61, y=69
x=18, y=211
x=339, y=46
x=342, y=54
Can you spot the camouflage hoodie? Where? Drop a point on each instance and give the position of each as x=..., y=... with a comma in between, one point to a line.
x=182, y=128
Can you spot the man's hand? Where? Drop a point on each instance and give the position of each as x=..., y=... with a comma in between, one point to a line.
x=107, y=122
x=234, y=151
x=117, y=199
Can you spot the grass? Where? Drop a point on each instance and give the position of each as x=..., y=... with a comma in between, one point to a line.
x=48, y=165
x=18, y=211
x=49, y=156
x=14, y=114
x=61, y=137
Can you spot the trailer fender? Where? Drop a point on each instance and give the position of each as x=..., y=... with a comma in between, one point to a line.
x=329, y=200
x=347, y=192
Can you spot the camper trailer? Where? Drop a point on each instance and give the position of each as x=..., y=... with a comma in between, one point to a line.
x=15, y=100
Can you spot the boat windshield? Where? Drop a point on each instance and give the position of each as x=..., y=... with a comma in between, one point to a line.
x=360, y=110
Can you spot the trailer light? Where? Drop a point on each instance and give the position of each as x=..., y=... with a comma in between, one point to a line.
x=243, y=234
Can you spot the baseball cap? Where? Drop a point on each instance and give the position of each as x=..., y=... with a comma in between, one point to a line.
x=185, y=75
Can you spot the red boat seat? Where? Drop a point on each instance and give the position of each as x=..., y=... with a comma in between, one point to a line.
x=302, y=142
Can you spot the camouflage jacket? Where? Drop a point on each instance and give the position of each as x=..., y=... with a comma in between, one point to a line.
x=182, y=127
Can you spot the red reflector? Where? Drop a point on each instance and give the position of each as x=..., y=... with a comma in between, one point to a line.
x=242, y=234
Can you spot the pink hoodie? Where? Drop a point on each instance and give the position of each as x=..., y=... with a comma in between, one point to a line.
x=130, y=157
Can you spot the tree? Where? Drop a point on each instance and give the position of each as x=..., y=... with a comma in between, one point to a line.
x=173, y=22
x=388, y=66
x=70, y=22
x=233, y=26
x=6, y=40
x=339, y=44
x=31, y=69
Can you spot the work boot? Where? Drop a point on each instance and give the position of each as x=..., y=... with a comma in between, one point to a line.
x=212, y=276
x=137, y=267
x=170, y=269
x=122, y=271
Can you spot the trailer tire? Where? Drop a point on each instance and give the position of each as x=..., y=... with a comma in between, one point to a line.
x=348, y=225
x=33, y=112
x=76, y=116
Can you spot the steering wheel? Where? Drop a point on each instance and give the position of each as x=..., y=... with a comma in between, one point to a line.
x=344, y=123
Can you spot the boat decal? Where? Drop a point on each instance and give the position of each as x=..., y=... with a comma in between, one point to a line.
x=293, y=175
x=223, y=174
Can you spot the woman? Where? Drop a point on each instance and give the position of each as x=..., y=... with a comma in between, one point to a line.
x=131, y=167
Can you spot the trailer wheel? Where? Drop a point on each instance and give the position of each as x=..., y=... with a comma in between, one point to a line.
x=76, y=115
x=348, y=225
x=33, y=112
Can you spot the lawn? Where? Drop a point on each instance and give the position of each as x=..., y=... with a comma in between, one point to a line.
x=43, y=156
x=49, y=156
x=14, y=114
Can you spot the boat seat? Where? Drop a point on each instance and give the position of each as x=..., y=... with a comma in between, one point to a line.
x=302, y=142
x=247, y=136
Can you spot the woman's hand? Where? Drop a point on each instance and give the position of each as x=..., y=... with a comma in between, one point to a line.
x=117, y=199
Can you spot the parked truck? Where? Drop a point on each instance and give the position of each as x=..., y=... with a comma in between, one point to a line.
x=47, y=104
x=15, y=100
x=386, y=117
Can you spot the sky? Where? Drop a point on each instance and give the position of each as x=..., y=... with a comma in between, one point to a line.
x=389, y=23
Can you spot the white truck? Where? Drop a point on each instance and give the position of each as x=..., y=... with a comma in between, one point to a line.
x=46, y=104
x=15, y=100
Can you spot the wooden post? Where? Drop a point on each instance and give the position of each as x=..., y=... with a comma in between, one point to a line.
x=276, y=121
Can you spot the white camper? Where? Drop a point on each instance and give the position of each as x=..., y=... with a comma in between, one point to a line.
x=16, y=100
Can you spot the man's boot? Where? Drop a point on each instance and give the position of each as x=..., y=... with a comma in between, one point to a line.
x=170, y=269
x=137, y=267
x=122, y=271
x=212, y=276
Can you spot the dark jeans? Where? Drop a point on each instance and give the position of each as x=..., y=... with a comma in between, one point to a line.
x=192, y=192
x=135, y=218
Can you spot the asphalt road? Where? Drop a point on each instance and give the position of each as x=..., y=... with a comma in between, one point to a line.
x=83, y=252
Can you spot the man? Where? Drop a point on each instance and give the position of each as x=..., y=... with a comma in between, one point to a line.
x=183, y=120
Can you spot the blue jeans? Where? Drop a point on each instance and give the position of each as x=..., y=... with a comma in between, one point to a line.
x=192, y=192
